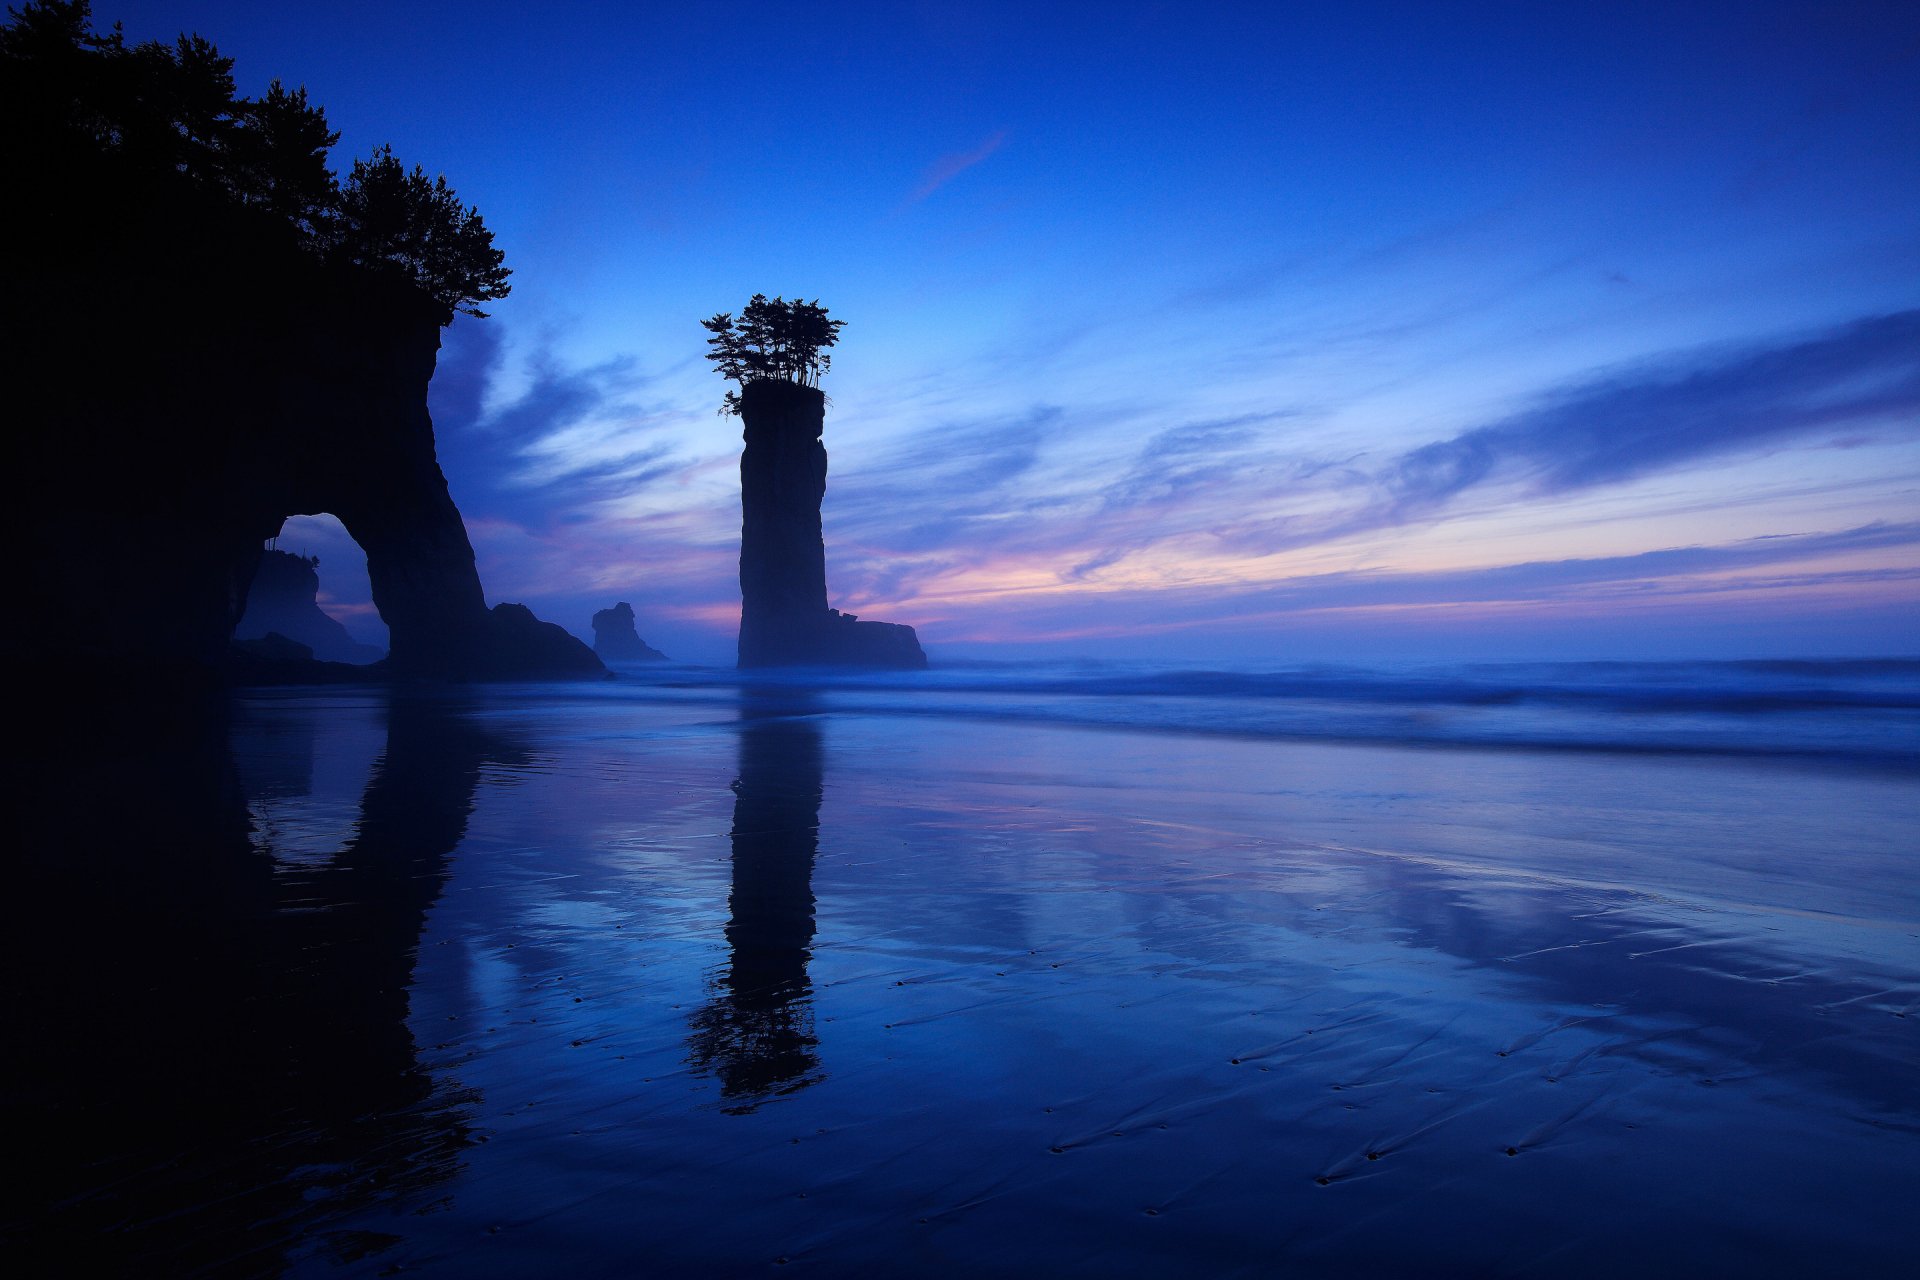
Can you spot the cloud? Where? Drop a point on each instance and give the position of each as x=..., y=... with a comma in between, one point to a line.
x=1669, y=577
x=1046, y=490
x=587, y=430
x=1633, y=424
x=1550, y=579
x=947, y=486
x=1185, y=458
x=952, y=165
x=471, y=354
x=559, y=400
x=1113, y=517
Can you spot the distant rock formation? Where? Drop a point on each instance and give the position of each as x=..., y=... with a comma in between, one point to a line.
x=521, y=647
x=284, y=601
x=615, y=639
x=784, y=618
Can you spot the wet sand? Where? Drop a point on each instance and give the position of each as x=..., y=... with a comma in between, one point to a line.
x=551, y=982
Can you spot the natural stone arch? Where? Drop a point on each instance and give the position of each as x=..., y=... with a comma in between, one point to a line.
x=157, y=475
x=357, y=441
x=284, y=598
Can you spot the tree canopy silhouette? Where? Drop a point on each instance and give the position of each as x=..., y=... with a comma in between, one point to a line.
x=773, y=341
x=111, y=121
x=395, y=220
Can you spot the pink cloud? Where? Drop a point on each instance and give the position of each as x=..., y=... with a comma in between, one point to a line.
x=952, y=165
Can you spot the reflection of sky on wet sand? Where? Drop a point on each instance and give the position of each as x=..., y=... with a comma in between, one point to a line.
x=702, y=987
x=1158, y=1004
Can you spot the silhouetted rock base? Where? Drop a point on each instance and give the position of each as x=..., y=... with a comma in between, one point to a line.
x=276, y=659
x=524, y=648
x=615, y=639
x=838, y=640
x=519, y=647
x=877, y=644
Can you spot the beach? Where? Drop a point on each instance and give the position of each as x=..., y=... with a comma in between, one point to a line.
x=1007, y=971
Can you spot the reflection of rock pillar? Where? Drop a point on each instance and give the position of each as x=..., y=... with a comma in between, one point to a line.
x=783, y=558
x=776, y=821
x=757, y=1034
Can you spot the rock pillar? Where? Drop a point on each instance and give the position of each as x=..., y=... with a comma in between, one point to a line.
x=784, y=618
x=783, y=557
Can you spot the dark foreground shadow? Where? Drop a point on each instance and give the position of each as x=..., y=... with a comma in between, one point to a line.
x=210, y=1053
x=756, y=1035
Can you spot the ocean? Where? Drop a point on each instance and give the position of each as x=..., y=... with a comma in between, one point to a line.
x=1011, y=969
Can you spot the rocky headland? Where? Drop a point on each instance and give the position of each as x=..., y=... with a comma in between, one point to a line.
x=203, y=333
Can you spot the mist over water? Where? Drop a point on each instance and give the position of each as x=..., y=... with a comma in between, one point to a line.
x=1864, y=712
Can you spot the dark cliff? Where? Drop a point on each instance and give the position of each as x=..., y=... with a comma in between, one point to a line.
x=616, y=640
x=784, y=618
x=181, y=384
x=183, y=371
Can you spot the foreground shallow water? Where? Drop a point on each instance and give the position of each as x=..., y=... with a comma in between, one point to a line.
x=683, y=977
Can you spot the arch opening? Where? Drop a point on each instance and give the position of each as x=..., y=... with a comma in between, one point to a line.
x=312, y=586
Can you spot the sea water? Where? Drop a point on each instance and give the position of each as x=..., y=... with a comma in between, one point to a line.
x=1015, y=969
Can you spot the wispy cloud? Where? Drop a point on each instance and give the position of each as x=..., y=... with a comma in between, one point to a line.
x=471, y=354
x=947, y=488
x=558, y=399
x=1566, y=587
x=590, y=428
x=1624, y=426
x=1555, y=579
x=952, y=165
x=1082, y=515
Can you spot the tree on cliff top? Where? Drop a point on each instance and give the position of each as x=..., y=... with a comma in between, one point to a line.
x=774, y=341
x=91, y=118
x=397, y=221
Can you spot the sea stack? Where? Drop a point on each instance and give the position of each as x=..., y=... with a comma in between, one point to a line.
x=784, y=617
x=285, y=600
x=616, y=640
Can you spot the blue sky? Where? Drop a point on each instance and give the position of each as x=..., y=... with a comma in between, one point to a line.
x=1262, y=332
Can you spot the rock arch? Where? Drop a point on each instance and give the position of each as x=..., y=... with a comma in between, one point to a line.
x=162, y=458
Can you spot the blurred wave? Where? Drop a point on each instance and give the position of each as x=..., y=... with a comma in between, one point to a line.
x=1864, y=712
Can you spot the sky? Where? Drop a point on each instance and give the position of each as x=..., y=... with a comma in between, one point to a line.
x=1239, y=333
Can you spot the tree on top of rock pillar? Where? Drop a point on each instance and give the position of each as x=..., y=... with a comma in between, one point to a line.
x=773, y=341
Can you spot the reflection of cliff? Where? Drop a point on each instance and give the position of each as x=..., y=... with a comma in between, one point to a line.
x=784, y=618
x=284, y=599
x=216, y=1047
x=757, y=1034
